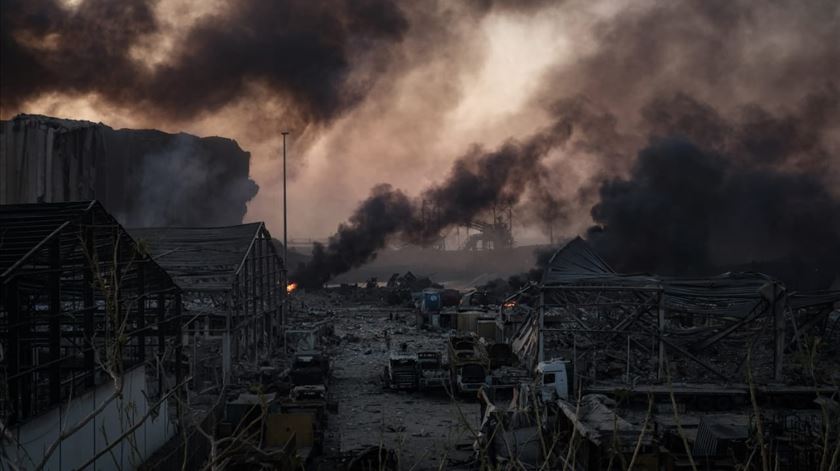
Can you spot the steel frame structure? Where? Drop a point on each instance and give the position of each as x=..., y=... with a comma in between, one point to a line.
x=70, y=276
x=725, y=329
x=233, y=283
x=633, y=325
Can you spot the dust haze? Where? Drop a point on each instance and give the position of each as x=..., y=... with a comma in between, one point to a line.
x=709, y=128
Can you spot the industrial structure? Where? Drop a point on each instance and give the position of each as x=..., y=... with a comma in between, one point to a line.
x=234, y=284
x=88, y=323
x=110, y=333
x=720, y=326
x=724, y=360
x=142, y=177
x=158, y=348
x=494, y=235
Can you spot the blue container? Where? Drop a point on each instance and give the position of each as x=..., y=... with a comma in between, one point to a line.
x=431, y=301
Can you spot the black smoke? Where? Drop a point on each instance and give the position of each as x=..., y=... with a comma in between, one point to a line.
x=718, y=146
x=477, y=182
x=385, y=212
x=483, y=179
x=706, y=192
x=711, y=193
x=303, y=52
x=708, y=130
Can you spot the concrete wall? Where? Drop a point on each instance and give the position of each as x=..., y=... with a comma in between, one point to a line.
x=37, y=434
x=145, y=178
x=48, y=160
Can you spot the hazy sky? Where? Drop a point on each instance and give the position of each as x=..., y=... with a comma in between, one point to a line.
x=379, y=91
x=458, y=75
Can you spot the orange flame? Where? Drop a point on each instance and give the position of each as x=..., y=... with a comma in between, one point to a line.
x=291, y=287
x=509, y=304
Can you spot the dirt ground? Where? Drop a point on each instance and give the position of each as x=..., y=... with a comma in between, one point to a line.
x=426, y=430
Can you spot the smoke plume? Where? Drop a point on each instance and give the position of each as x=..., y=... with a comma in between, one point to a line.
x=185, y=182
x=477, y=182
x=709, y=192
x=386, y=211
x=718, y=143
x=300, y=51
x=689, y=140
x=680, y=136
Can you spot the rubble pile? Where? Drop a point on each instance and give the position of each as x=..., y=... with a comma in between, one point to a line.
x=442, y=379
x=417, y=428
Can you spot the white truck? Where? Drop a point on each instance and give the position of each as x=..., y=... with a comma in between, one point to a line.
x=554, y=379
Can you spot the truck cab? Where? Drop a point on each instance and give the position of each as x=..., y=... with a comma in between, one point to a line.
x=468, y=363
x=402, y=373
x=432, y=373
x=308, y=393
x=469, y=377
x=309, y=368
x=553, y=379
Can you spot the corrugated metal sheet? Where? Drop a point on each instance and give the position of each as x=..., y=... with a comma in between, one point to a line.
x=200, y=258
x=731, y=294
x=39, y=161
x=24, y=226
x=717, y=431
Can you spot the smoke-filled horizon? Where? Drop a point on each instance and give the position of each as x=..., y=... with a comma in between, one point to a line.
x=685, y=208
x=676, y=136
x=477, y=182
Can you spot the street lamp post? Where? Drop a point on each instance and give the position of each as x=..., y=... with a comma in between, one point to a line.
x=285, y=310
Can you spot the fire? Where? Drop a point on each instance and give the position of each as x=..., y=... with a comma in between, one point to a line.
x=509, y=304
x=291, y=287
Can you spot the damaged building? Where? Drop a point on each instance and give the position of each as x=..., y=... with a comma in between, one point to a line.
x=679, y=372
x=589, y=369
x=132, y=340
x=233, y=284
x=144, y=178
x=90, y=341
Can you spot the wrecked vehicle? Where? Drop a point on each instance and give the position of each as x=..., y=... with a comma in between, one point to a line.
x=506, y=379
x=553, y=379
x=310, y=367
x=306, y=408
x=468, y=363
x=506, y=371
x=304, y=411
x=432, y=371
x=401, y=372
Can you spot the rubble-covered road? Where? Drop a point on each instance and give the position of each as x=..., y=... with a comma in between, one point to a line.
x=426, y=430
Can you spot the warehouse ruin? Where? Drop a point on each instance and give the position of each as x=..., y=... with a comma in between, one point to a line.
x=179, y=337
x=89, y=323
x=223, y=361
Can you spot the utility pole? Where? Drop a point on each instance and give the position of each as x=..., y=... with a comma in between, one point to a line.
x=285, y=311
x=285, y=210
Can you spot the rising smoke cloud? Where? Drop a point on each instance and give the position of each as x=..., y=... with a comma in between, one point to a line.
x=710, y=192
x=302, y=51
x=726, y=147
x=742, y=92
x=477, y=182
x=701, y=152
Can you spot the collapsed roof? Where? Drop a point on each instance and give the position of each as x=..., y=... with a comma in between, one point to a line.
x=732, y=294
x=205, y=258
x=724, y=325
x=26, y=231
